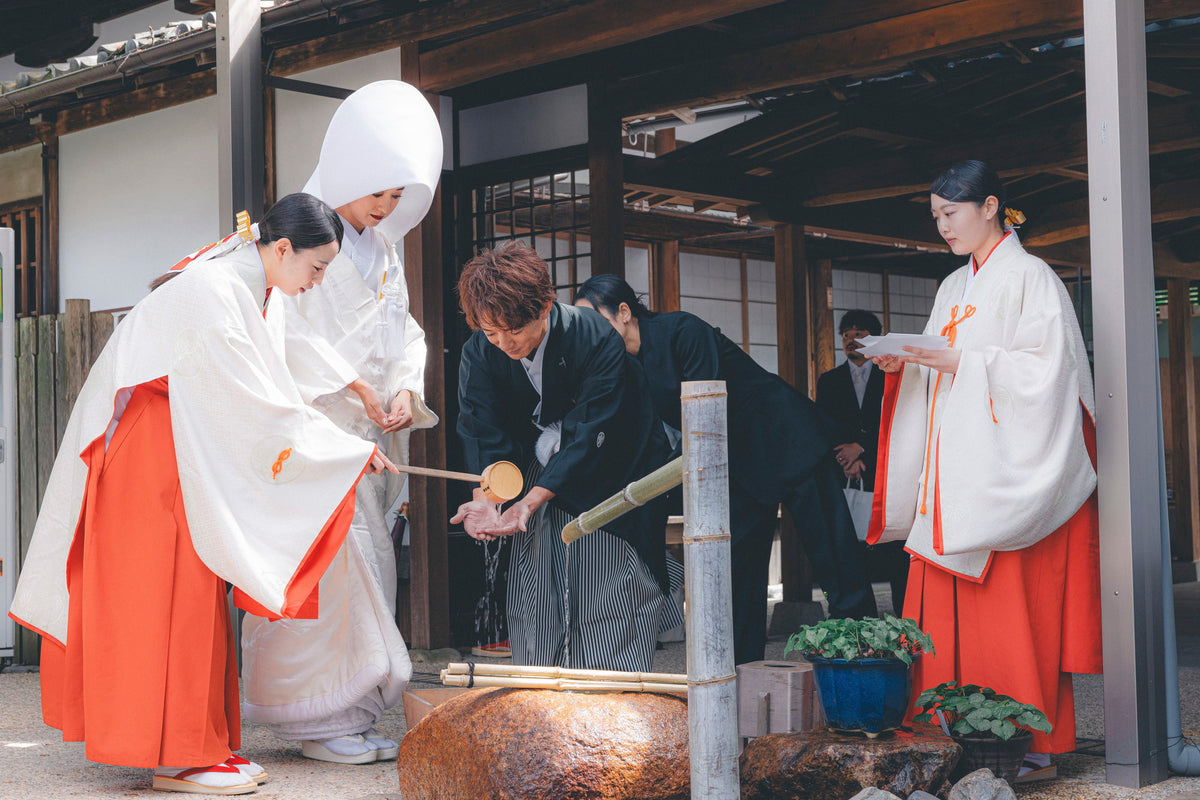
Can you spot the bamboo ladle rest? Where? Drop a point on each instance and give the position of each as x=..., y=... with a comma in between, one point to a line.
x=500, y=482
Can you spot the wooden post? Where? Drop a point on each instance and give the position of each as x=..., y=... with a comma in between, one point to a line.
x=606, y=190
x=270, y=171
x=26, y=650
x=712, y=682
x=664, y=276
x=429, y=599
x=825, y=339
x=47, y=407
x=1182, y=386
x=48, y=291
x=791, y=310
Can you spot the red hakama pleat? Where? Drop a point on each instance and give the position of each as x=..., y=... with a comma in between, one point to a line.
x=1033, y=620
x=147, y=676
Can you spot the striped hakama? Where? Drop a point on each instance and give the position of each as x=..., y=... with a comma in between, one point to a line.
x=616, y=607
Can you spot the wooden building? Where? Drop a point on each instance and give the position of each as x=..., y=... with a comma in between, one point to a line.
x=587, y=127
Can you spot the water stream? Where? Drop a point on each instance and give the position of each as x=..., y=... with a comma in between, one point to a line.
x=487, y=608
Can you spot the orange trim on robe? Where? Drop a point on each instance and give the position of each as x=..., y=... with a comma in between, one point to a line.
x=891, y=392
x=147, y=676
x=1033, y=621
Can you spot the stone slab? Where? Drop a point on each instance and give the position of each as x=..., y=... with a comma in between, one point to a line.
x=819, y=765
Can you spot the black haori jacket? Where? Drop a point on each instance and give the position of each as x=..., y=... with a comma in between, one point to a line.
x=611, y=434
x=777, y=436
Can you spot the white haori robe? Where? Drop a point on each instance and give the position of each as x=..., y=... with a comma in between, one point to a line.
x=261, y=472
x=337, y=674
x=1003, y=463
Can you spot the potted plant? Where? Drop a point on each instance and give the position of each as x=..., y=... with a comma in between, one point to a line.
x=994, y=729
x=863, y=669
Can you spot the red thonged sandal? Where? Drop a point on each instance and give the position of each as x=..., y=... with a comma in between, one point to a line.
x=223, y=779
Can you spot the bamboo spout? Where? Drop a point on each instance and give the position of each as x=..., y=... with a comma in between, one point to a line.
x=638, y=493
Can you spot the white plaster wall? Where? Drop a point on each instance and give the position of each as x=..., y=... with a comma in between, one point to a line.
x=301, y=119
x=20, y=174
x=135, y=196
x=531, y=124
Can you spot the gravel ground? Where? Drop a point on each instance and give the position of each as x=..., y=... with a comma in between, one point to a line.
x=36, y=764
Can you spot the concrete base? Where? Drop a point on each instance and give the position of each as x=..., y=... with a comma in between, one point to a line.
x=789, y=615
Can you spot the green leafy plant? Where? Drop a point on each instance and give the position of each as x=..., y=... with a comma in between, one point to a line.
x=972, y=710
x=889, y=637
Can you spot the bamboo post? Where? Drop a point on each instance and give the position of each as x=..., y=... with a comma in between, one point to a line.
x=638, y=493
x=712, y=681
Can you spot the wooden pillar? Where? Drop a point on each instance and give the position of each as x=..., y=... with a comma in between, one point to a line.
x=824, y=338
x=1185, y=539
x=270, y=173
x=791, y=308
x=664, y=276
x=48, y=301
x=429, y=600
x=606, y=183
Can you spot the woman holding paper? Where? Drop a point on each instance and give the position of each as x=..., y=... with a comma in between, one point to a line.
x=780, y=450
x=986, y=469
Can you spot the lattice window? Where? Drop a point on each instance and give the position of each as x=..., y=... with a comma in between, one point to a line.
x=547, y=212
x=25, y=218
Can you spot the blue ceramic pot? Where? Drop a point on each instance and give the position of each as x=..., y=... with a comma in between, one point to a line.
x=866, y=695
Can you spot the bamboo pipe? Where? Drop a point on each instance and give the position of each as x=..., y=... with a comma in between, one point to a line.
x=459, y=668
x=561, y=684
x=638, y=493
x=501, y=481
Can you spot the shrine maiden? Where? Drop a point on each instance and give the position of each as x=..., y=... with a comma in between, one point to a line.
x=986, y=468
x=327, y=681
x=190, y=460
x=550, y=385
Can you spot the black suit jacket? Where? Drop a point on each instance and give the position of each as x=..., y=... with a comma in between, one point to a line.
x=611, y=434
x=835, y=394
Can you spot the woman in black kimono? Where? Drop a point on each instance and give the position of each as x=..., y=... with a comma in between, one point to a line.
x=780, y=451
x=551, y=385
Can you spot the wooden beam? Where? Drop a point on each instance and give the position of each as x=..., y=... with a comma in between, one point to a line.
x=605, y=187
x=869, y=49
x=1181, y=377
x=583, y=28
x=429, y=599
x=1064, y=222
x=429, y=20
x=1173, y=126
x=50, y=225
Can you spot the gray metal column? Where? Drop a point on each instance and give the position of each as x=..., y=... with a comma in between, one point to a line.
x=240, y=156
x=1128, y=446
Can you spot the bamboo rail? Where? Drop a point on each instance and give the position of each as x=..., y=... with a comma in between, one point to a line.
x=562, y=679
x=638, y=493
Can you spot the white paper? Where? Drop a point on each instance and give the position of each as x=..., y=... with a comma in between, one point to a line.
x=892, y=344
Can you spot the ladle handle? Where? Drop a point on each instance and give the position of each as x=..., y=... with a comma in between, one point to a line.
x=439, y=473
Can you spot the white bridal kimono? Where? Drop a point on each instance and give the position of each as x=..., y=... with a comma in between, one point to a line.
x=337, y=674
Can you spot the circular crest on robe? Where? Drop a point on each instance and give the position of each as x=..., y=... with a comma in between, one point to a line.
x=274, y=460
x=382, y=136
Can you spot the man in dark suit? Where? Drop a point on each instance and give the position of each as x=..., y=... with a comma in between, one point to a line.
x=853, y=395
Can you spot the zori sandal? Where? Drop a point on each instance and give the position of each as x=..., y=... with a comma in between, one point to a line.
x=219, y=779
x=250, y=769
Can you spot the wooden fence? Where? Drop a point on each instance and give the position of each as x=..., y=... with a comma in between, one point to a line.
x=54, y=353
